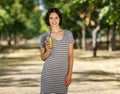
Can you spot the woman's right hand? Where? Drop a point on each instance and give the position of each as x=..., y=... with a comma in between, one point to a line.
x=47, y=45
x=45, y=52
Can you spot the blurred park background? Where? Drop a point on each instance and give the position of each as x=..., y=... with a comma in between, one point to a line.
x=95, y=25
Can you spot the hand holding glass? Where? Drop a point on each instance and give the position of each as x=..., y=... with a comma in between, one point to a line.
x=51, y=42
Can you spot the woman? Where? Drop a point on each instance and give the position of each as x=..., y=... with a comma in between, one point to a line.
x=57, y=70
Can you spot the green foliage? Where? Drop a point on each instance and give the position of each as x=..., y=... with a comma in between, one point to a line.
x=103, y=12
x=18, y=17
x=107, y=11
x=4, y=18
x=44, y=27
x=111, y=12
x=79, y=1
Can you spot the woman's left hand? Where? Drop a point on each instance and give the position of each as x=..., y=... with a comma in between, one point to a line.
x=68, y=80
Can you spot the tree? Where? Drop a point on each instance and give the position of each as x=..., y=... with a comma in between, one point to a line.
x=85, y=16
x=18, y=17
x=110, y=13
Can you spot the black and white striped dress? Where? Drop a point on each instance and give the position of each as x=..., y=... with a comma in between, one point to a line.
x=55, y=67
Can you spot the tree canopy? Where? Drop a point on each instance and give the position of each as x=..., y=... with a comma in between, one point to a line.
x=18, y=17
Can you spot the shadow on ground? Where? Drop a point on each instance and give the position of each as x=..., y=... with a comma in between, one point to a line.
x=101, y=55
x=6, y=49
x=26, y=71
x=23, y=71
x=96, y=76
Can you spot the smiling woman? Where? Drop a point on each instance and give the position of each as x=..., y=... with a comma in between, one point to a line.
x=54, y=19
x=57, y=69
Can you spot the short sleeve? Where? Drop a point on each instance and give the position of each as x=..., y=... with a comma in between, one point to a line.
x=70, y=37
x=42, y=41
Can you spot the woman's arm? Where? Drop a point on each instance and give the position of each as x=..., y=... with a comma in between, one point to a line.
x=45, y=52
x=70, y=59
x=68, y=78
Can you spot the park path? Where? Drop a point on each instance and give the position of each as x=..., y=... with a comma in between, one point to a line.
x=20, y=72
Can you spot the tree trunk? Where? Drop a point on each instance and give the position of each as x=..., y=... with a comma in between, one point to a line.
x=80, y=39
x=9, y=39
x=77, y=37
x=94, y=40
x=83, y=37
x=112, y=35
x=107, y=42
x=15, y=38
x=0, y=41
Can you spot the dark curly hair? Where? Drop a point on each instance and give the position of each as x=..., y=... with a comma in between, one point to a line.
x=51, y=10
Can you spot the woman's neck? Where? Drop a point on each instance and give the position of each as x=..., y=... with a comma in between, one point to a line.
x=55, y=29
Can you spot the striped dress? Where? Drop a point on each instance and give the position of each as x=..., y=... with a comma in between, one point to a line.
x=55, y=67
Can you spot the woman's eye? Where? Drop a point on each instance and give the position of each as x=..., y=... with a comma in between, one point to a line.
x=56, y=17
x=50, y=18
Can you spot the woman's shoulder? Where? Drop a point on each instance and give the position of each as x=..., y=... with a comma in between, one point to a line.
x=43, y=36
x=69, y=36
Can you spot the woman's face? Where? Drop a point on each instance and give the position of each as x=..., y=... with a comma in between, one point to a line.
x=54, y=19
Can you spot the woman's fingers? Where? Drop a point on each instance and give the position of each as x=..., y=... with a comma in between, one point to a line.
x=67, y=81
x=47, y=44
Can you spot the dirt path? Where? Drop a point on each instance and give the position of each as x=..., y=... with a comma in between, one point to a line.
x=20, y=72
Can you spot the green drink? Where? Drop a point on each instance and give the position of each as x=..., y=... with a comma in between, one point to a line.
x=51, y=42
